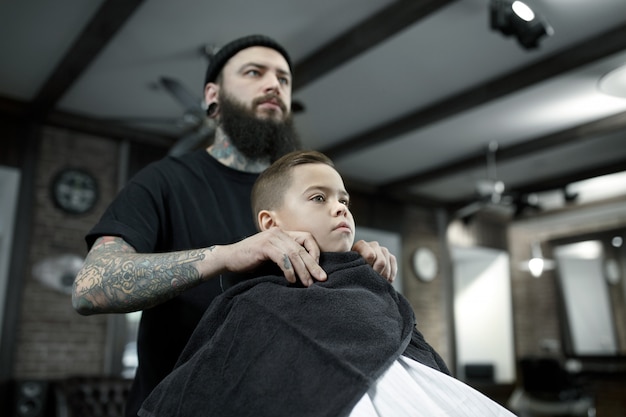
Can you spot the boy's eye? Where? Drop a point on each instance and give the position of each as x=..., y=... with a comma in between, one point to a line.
x=318, y=198
x=345, y=202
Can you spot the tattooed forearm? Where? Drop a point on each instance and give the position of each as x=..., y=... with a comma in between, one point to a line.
x=116, y=279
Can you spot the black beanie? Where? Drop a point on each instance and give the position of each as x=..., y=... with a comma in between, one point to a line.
x=226, y=52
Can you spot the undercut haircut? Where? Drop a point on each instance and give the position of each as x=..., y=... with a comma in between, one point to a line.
x=270, y=188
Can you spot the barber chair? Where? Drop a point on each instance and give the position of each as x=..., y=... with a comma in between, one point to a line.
x=92, y=396
x=547, y=389
x=479, y=373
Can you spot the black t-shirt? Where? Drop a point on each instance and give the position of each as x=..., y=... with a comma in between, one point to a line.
x=178, y=203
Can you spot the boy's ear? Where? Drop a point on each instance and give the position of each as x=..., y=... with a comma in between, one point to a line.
x=266, y=220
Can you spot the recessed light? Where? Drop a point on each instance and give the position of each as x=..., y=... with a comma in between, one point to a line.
x=614, y=82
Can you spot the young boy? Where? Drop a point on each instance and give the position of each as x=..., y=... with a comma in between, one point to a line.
x=304, y=192
x=346, y=346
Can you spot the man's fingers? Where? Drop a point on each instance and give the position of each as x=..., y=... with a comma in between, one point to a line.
x=394, y=268
x=287, y=268
x=308, y=242
x=309, y=253
x=365, y=249
x=297, y=254
x=379, y=257
x=390, y=270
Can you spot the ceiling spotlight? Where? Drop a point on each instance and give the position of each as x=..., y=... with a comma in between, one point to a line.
x=515, y=18
x=537, y=263
x=614, y=82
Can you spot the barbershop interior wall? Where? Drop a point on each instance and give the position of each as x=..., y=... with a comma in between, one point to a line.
x=537, y=316
x=52, y=341
x=538, y=320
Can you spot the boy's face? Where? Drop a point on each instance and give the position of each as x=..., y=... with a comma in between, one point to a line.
x=317, y=202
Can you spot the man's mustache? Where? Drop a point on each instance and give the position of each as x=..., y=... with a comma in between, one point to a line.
x=273, y=98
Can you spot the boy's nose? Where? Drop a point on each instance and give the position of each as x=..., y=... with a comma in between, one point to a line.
x=340, y=209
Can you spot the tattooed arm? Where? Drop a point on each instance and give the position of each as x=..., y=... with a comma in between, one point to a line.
x=117, y=279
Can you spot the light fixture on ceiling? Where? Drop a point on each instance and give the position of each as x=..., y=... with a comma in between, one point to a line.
x=537, y=263
x=613, y=83
x=612, y=269
x=518, y=19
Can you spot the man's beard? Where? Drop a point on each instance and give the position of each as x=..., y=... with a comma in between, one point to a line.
x=254, y=137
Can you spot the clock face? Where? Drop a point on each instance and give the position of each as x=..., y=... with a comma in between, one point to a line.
x=74, y=191
x=425, y=264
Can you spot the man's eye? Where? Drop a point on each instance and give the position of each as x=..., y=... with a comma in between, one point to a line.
x=284, y=80
x=253, y=72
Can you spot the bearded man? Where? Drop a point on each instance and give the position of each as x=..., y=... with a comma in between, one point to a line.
x=169, y=241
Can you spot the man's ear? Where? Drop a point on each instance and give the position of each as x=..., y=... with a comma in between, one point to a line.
x=211, y=96
x=266, y=220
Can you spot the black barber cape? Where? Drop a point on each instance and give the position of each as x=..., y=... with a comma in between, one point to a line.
x=269, y=348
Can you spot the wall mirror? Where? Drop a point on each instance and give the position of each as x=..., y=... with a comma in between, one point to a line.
x=483, y=313
x=590, y=273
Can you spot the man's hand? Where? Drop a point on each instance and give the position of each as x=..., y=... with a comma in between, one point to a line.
x=378, y=257
x=296, y=254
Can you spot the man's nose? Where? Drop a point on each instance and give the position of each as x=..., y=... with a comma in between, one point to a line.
x=272, y=83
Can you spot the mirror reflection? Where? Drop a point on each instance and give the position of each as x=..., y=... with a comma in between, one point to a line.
x=590, y=273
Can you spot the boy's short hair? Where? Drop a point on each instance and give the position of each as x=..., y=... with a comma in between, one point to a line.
x=269, y=189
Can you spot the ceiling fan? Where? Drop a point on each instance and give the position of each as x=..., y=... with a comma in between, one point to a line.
x=198, y=129
x=195, y=126
x=492, y=192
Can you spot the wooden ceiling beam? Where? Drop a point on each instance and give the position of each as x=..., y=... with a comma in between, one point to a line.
x=583, y=53
x=586, y=131
x=556, y=182
x=95, y=36
x=561, y=181
x=379, y=27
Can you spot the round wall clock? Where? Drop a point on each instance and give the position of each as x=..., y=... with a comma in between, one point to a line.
x=425, y=264
x=74, y=191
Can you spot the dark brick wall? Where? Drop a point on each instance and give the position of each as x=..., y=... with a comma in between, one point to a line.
x=53, y=341
x=430, y=300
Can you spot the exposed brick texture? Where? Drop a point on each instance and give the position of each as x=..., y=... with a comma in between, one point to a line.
x=53, y=341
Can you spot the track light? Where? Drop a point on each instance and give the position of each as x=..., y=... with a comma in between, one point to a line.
x=517, y=19
x=537, y=263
